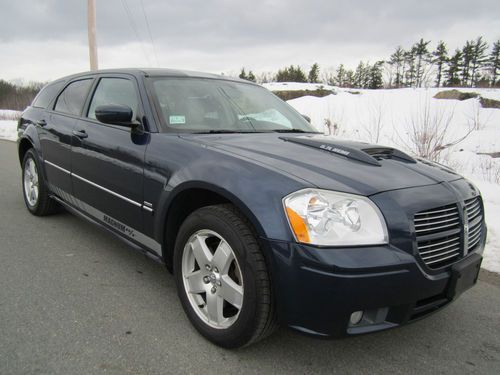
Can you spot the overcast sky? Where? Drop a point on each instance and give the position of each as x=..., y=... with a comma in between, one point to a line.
x=46, y=39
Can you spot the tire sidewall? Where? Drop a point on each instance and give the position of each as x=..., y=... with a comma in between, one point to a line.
x=242, y=329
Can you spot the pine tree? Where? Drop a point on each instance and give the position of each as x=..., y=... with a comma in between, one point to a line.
x=243, y=74
x=467, y=52
x=397, y=61
x=478, y=60
x=313, y=75
x=291, y=74
x=440, y=59
x=375, y=80
x=340, y=78
x=494, y=64
x=251, y=76
x=359, y=76
x=422, y=57
x=410, y=68
x=453, y=71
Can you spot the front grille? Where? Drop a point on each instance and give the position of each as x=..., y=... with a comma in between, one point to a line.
x=475, y=220
x=439, y=232
x=438, y=235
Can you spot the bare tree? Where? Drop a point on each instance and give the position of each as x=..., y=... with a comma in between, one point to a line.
x=428, y=132
x=376, y=122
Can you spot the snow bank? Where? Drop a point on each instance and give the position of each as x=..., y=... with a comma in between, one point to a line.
x=7, y=114
x=292, y=86
x=8, y=130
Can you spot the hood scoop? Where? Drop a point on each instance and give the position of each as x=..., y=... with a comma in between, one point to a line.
x=369, y=155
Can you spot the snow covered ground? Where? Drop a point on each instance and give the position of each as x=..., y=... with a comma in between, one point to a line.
x=8, y=130
x=390, y=117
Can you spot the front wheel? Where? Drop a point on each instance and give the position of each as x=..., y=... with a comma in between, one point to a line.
x=222, y=278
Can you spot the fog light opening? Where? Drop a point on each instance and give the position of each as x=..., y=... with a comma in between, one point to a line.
x=356, y=318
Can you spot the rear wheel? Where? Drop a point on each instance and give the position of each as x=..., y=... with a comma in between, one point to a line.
x=222, y=278
x=35, y=191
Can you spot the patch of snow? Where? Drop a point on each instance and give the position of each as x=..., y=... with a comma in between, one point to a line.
x=8, y=130
x=293, y=86
x=8, y=114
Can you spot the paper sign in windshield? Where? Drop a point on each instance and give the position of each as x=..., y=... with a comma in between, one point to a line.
x=177, y=120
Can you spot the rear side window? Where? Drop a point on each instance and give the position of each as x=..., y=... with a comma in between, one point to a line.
x=46, y=94
x=114, y=91
x=73, y=97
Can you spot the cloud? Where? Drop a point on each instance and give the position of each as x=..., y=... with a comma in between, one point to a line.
x=222, y=35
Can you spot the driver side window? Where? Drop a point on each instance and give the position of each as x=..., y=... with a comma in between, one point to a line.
x=114, y=91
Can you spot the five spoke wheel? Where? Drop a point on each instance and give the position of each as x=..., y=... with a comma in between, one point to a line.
x=31, y=188
x=212, y=279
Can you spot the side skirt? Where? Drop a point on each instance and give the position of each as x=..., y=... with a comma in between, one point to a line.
x=149, y=253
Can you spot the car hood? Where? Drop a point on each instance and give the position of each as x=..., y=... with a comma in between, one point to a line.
x=330, y=163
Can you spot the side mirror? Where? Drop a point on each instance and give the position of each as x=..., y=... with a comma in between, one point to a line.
x=115, y=114
x=308, y=119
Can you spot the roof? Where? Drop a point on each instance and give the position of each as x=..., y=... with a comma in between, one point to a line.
x=158, y=72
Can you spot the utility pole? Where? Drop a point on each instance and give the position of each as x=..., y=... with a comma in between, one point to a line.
x=92, y=32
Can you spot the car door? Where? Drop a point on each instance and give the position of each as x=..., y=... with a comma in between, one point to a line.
x=108, y=159
x=56, y=132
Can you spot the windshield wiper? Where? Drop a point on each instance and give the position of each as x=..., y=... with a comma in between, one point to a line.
x=292, y=131
x=221, y=131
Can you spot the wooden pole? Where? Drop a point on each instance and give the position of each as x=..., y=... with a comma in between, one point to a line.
x=92, y=34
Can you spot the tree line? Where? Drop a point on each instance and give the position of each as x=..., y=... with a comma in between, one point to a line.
x=17, y=97
x=473, y=65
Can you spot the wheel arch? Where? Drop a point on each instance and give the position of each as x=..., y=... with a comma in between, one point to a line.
x=187, y=198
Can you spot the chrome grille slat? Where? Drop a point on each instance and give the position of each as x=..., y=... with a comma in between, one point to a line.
x=437, y=244
x=455, y=250
x=437, y=228
x=435, y=211
x=454, y=219
x=436, y=217
x=454, y=244
x=440, y=260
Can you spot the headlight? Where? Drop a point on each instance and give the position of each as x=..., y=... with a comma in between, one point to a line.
x=328, y=218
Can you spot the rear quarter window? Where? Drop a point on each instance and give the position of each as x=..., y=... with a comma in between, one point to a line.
x=72, y=99
x=46, y=94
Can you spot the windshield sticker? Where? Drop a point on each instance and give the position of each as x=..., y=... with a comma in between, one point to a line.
x=177, y=119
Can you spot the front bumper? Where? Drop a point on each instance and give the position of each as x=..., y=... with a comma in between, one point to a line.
x=317, y=290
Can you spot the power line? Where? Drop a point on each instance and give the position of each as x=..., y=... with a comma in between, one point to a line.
x=149, y=32
x=134, y=28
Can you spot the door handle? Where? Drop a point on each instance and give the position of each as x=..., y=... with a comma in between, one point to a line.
x=80, y=133
x=41, y=122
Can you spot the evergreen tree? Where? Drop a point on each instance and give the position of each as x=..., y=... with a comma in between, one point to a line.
x=251, y=76
x=397, y=62
x=349, y=78
x=313, y=75
x=360, y=76
x=422, y=57
x=375, y=80
x=467, y=53
x=243, y=74
x=341, y=76
x=410, y=68
x=453, y=71
x=291, y=74
x=478, y=60
x=440, y=59
x=494, y=64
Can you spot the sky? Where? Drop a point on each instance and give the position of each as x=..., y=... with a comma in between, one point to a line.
x=45, y=39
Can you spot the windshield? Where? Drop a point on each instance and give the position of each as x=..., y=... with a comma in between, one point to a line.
x=197, y=105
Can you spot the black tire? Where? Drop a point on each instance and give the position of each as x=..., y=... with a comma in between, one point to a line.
x=44, y=204
x=256, y=319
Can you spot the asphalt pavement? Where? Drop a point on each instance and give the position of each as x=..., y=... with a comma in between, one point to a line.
x=76, y=300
